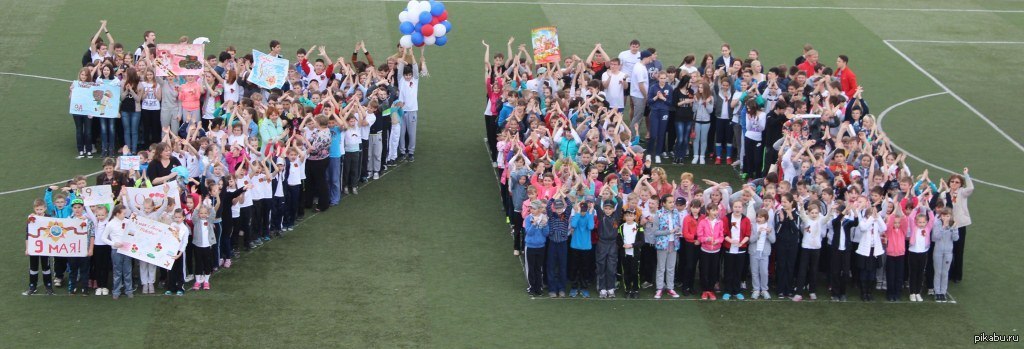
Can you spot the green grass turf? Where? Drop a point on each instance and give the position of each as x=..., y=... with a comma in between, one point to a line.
x=421, y=257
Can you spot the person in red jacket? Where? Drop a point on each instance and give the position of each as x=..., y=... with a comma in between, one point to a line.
x=846, y=76
x=690, y=248
x=737, y=233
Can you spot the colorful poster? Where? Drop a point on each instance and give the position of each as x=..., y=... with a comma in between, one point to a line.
x=545, y=45
x=268, y=71
x=179, y=60
x=130, y=163
x=97, y=195
x=99, y=99
x=151, y=241
x=58, y=237
x=159, y=194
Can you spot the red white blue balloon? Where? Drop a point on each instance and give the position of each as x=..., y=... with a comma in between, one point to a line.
x=424, y=23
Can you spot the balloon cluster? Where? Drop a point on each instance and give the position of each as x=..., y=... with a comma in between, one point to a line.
x=424, y=23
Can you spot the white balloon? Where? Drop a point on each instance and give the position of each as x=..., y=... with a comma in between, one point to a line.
x=412, y=6
x=403, y=17
x=406, y=41
x=440, y=29
x=429, y=40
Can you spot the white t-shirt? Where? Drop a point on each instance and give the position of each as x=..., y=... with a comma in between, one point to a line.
x=629, y=236
x=364, y=131
x=637, y=77
x=247, y=197
x=614, y=92
x=149, y=91
x=736, y=111
x=296, y=173
x=352, y=139
x=232, y=92
x=203, y=233
x=919, y=244
x=408, y=93
x=629, y=59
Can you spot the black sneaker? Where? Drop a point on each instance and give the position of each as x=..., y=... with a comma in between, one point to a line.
x=412, y=158
x=31, y=291
x=49, y=291
x=72, y=291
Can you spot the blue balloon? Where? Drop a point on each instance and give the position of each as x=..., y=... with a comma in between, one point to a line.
x=417, y=38
x=436, y=8
x=425, y=17
x=447, y=27
x=441, y=40
x=406, y=28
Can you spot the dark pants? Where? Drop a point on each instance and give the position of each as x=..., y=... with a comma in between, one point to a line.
x=868, y=265
x=261, y=217
x=204, y=260
x=534, y=264
x=840, y=271
x=648, y=262
x=806, y=277
x=753, y=164
x=277, y=212
x=60, y=265
x=175, y=280
x=364, y=159
x=316, y=179
x=291, y=204
x=630, y=273
x=243, y=225
x=557, y=266
x=225, y=242
x=682, y=138
x=894, y=275
x=658, y=123
x=150, y=127
x=35, y=263
x=350, y=170
x=581, y=268
x=732, y=274
x=916, y=262
x=100, y=266
x=691, y=253
x=517, y=231
x=708, y=270
x=785, y=265
x=78, y=276
x=491, y=124
x=956, y=269
x=83, y=132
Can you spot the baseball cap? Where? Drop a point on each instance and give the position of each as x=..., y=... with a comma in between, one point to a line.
x=609, y=203
x=645, y=54
x=680, y=201
x=77, y=201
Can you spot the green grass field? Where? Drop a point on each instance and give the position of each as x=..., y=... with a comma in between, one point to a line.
x=421, y=258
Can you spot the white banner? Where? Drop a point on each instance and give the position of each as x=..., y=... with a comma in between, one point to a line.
x=159, y=194
x=152, y=242
x=58, y=237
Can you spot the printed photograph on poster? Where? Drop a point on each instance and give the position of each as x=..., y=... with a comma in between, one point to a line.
x=179, y=60
x=57, y=237
x=545, y=45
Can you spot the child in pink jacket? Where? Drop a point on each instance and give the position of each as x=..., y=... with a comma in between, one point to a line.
x=710, y=234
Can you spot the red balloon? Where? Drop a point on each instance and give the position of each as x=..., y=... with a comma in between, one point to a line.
x=443, y=16
x=435, y=20
x=427, y=30
x=420, y=45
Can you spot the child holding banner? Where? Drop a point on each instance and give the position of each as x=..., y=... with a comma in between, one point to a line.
x=176, y=276
x=56, y=207
x=78, y=274
x=113, y=235
x=35, y=263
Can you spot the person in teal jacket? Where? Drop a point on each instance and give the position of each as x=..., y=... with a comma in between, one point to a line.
x=581, y=252
x=57, y=207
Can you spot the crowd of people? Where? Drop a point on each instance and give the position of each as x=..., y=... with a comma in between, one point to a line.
x=248, y=161
x=824, y=200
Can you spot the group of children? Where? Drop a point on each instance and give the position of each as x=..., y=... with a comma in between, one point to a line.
x=248, y=161
x=825, y=200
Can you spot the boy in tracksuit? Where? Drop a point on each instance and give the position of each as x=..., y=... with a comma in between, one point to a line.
x=840, y=243
x=608, y=218
x=581, y=252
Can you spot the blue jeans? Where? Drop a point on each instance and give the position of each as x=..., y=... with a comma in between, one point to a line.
x=130, y=123
x=557, y=265
x=700, y=140
x=122, y=273
x=108, y=137
x=659, y=127
x=334, y=179
x=682, y=138
x=83, y=132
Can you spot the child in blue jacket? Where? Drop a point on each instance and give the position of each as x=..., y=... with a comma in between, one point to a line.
x=536, y=226
x=581, y=252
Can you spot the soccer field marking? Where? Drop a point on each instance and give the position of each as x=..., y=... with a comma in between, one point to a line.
x=926, y=162
x=35, y=76
x=45, y=185
x=954, y=95
x=713, y=6
x=959, y=42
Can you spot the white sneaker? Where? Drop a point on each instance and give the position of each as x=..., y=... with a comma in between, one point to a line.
x=695, y=159
x=657, y=159
x=755, y=295
x=702, y=160
x=494, y=164
x=766, y=295
x=814, y=297
x=189, y=278
x=603, y=294
x=743, y=285
x=106, y=291
x=99, y=291
x=931, y=291
x=647, y=158
x=611, y=293
x=376, y=176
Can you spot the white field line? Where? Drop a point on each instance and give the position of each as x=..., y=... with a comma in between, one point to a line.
x=959, y=42
x=713, y=6
x=954, y=95
x=918, y=158
x=35, y=76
